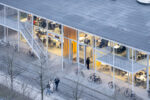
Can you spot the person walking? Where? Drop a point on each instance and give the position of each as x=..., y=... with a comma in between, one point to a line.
x=48, y=89
x=57, y=80
x=52, y=87
x=88, y=62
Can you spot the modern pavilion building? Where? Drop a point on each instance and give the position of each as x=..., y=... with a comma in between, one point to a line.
x=114, y=34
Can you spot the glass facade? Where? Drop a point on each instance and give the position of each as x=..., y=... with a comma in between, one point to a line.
x=1, y=33
x=70, y=44
x=104, y=50
x=2, y=14
x=11, y=17
x=104, y=54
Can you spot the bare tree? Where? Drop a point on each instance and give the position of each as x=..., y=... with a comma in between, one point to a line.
x=6, y=94
x=12, y=71
x=27, y=92
x=77, y=90
x=42, y=77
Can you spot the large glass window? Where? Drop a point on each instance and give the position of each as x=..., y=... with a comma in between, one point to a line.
x=102, y=67
x=81, y=54
x=1, y=32
x=54, y=45
x=40, y=31
x=1, y=13
x=12, y=36
x=54, y=27
x=141, y=58
x=11, y=17
x=122, y=75
x=123, y=57
x=26, y=22
x=70, y=44
x=89, y=54
x=70, y=50
x=40, y=35
x=40, y=22
x=24, y=17
x=104, y=50
x=70, y=33
x=140, y=78
x=85, y=38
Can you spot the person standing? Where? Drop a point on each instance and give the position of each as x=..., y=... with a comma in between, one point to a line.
x=52, y=87
x=48, y=89
x=57, y=80
x=88, y=63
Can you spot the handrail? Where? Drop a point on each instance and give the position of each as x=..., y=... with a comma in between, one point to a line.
x=39, y=46
x=36, y=42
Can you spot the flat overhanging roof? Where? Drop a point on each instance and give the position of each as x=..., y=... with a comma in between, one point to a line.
x=121, y=63
x=124, y=21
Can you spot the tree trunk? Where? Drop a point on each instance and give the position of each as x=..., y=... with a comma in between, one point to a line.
x=11, y=84
x=42, y=91
x=11, y=76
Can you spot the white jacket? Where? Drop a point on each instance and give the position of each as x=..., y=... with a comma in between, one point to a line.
x=51, y=87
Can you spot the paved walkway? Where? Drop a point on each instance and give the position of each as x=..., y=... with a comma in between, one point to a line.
x=68, y=77
x=30, y=68
x=103, y=88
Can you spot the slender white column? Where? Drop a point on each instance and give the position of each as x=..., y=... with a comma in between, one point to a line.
x=94, y=54
x=47, y=40
x=62, y=45
x=84, y=55
x=78, y=51
x=32, y=31
x=4, y=33
x=4, y=23
x=113, y=67
x=128, y=53
x=128, y=77
x=47, y=57
x=132, y=72
x=69, y=50
x=147, y=72
x=135, y=55
x=18, y=29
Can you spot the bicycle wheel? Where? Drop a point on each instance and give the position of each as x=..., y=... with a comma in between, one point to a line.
x=90, y=79
x=110, y=85
x=82, y=73
x=98, y=81
x=117, y=88
x=127, y=92
x=133, y=97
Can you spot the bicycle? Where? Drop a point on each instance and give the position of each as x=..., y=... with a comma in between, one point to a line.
x=8, y=44
x=16, y=48
x=31, y=54
x=80, y=72
x=111, y=86
x=128, y=92
x=94, y=78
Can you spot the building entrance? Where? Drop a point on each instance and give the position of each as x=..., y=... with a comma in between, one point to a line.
x=70, y=50
x=84, y=53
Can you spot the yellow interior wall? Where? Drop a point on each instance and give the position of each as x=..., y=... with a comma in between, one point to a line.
x=74, y=47
x=98, y=64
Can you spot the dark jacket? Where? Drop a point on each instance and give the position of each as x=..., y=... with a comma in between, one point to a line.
x=87, y=61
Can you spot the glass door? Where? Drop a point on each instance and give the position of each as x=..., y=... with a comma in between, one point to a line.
x=82, y=55
x=73, y=51
x=89, y=54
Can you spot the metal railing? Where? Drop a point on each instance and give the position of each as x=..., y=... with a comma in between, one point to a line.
x=38, y=47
